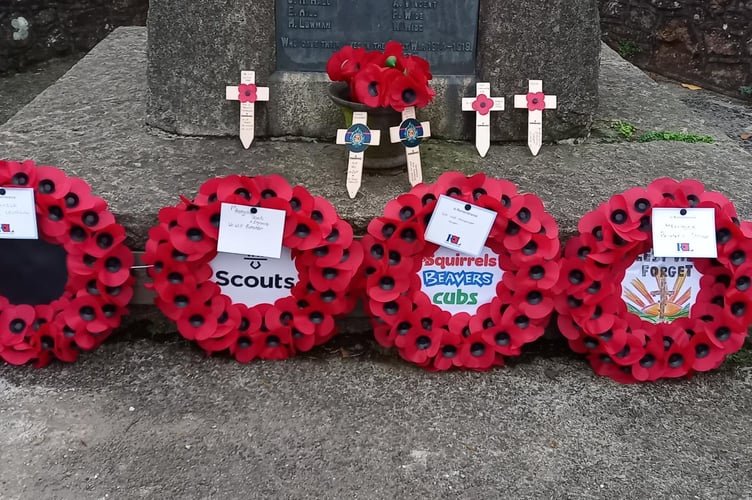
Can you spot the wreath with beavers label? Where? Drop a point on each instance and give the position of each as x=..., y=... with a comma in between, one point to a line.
x=442, y=309
x=253, y=307
x=66, y=291
x=638, y=317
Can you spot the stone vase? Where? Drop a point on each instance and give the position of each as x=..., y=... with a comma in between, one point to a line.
x=385, y=157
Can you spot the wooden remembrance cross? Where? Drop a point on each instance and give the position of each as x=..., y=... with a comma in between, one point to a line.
x=247, y=93
x=411, y=132
x=357, y=138
x=535, y=101
x=482, y=104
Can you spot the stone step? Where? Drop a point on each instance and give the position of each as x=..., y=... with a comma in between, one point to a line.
x=91, y=123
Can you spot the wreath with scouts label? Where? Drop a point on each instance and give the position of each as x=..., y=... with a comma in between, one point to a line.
x=182, y=251
x=442, y=309
x=83, y=247
x=641, y=318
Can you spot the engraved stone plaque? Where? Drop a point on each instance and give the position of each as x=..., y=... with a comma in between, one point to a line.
x=441, y=31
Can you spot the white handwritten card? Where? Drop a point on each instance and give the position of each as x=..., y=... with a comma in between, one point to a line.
x=684, y=232
x=251, y=230
x=460, y=226
x=18, y=216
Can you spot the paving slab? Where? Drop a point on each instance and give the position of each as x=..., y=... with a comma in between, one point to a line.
x=160, y=420
x=92, y=124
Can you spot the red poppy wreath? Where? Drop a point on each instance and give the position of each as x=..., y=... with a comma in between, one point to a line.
x=256, y=313
x=639, y=317
x=442, y=309
x=93, y=270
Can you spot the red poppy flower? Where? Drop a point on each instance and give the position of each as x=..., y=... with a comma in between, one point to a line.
x=448, y=355
x=236, y=189
x=18, y=354
x=20, y=174
x=370, y=86
x=482, y=104
x=406, y=91
x=247, y=92
x=192, y=240
x=476, y=354
x=536, y=101
x=417, y=67
x=114, y=268
x=51, y=219
x=15, y=324
x=52, y=182
x=421, y=345
x=345, y=63
x=246, y=348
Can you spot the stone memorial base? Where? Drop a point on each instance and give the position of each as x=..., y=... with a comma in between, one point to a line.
x=92, y=124
x=193, y=53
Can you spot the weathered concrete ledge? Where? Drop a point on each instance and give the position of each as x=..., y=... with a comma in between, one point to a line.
x=92, y=124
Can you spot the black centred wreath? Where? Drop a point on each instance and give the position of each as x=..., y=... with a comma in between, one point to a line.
x=619, y=343
x=524, y=240
x=96, y=283
x=325, y=255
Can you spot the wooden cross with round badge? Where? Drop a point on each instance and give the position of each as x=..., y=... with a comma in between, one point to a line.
x=535, y=101
x=411, y=133
x=482, y=104
x=357, y=138
x=247, y=93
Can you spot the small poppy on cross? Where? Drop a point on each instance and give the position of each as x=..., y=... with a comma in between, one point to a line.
x=535, y=101
x=247, y=93
x=483, y=105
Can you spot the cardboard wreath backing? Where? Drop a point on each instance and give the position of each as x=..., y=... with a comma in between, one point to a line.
x=184, y=245
x=523, y=246
x=618, y=336
x=97, y=280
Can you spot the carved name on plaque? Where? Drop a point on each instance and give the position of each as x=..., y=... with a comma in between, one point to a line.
x=441, y=31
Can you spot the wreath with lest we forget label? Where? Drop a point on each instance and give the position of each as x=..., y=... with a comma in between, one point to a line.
x=638, y=317
x=443, y=309
x=223, y=308
x=66, y=291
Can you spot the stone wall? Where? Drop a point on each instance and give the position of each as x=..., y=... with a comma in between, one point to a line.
x=36, y=30
x=706, y=42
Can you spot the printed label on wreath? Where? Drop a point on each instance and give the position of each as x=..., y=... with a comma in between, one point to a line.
x=253, y=280
x=459, y=283
x=18, y=216
x=460, y=226
x=684, y=232
x=251, y=230
x=660, y=289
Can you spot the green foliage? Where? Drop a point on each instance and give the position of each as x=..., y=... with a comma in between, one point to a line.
x=625, y=129
x=746, y=90
x=674, y=136
x=627, y=49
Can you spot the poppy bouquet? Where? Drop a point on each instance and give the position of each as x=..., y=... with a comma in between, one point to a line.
x=387, y=78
